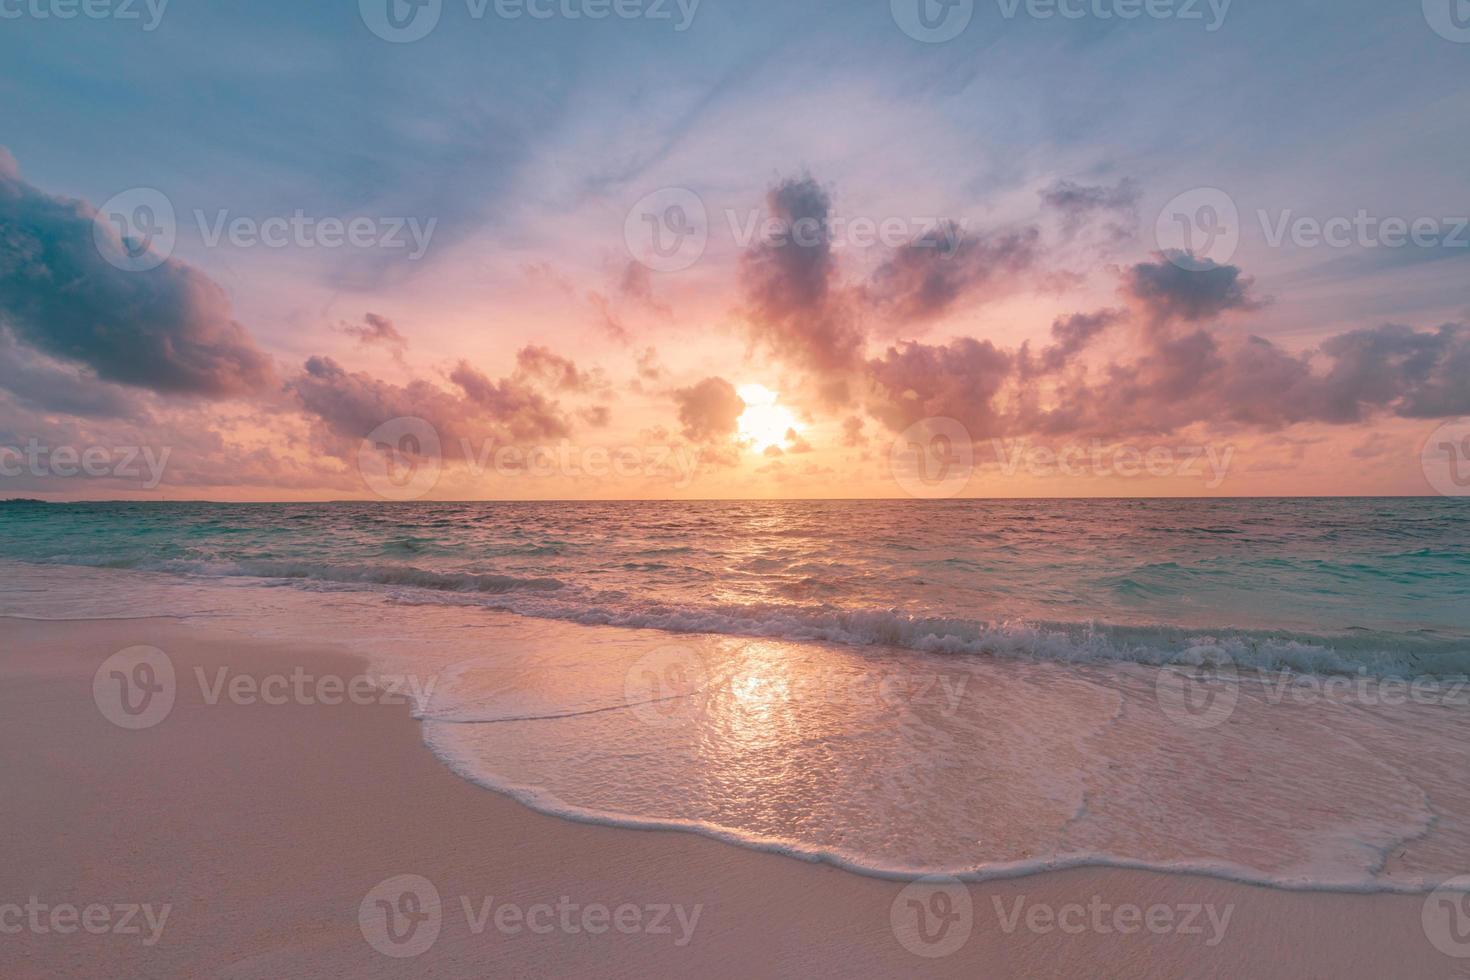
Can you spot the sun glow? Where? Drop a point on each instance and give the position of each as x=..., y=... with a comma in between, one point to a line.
x=764, y=423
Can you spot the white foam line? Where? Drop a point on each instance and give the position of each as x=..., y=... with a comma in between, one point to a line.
x=542, y=801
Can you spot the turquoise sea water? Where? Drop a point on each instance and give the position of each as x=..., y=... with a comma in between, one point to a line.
x=1318, y=584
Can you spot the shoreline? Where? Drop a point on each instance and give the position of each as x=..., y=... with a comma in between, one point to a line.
x=266, y=827
x=534, y=798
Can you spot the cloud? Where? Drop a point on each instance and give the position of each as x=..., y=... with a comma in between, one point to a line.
x=1198, y=377
x=50, y=385
x=609, y=320
x=523, y=410
x=1165, y=289
x=542, y=364
x=350, y=404
x=597, y=416
x=959, y=380
x=632, y=288
x=1178, y=371
x=168, y=329
x=648, y=366
x=636, y=285
x=380, y=331
x=710, y=410
x=1070, y=335
x=1080, y=204
x=1422, y=375
x=788, y=285
x=927, y=277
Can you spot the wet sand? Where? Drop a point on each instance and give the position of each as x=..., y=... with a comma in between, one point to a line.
x=263, y=829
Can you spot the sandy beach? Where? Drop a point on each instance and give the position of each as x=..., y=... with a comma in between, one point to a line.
x=243, y=838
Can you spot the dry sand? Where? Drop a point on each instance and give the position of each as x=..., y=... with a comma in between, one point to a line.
x=263, y=827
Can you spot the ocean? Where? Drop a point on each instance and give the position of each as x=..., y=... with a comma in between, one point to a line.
x=1267, y=690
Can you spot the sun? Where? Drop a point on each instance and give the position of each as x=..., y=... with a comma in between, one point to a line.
x=764, y=423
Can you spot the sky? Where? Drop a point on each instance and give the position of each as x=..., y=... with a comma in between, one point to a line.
x=564, y=249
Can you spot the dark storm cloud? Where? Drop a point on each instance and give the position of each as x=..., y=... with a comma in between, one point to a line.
x=168, y=329
x=43, y=383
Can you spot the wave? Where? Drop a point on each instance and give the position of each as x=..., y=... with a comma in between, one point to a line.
x=544, y=801
x=386, y=575
x=1376, y=654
